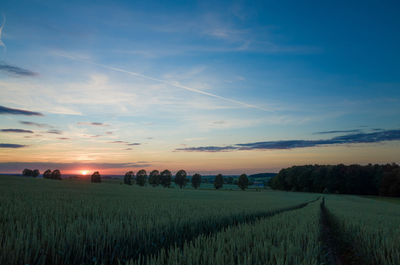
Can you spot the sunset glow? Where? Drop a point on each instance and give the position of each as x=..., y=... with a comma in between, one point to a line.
x=84, y=172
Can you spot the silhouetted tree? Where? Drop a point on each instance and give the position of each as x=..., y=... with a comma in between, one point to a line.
x=56, y=174
x=141, y=177
x=219, y=181
x=196, y=180
x=47, y=174
x=96, y=177
x=165, y=178
x=128, y=177
x=154, y=178
x=27, y=172
x=35, y=173
x=243, y=182
x=352, y=179
x=180, y=178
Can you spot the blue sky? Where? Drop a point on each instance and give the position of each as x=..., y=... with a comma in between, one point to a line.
x=175, y=76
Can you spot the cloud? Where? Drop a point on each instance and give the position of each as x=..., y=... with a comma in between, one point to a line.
x=15, y=70
x=30, y=123
x=63, y=138
x=19, y=166
x=338, y=131
x=162, y=81
x=92, y=123
x=16, y=131
x=118, y=142
x=124, y=142
x=12, y=145
x=1, y=31
x=54, y=131
x=5, y=110
x=375, y=137
x=208, y=148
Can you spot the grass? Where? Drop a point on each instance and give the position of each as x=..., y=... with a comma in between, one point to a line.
x=385, y=199
x=73, y=221
x=76, y=222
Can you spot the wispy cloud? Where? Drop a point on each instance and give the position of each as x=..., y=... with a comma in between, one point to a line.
x=376, y=137
x=16, y=131
x=338, y=131
x=1, y=32
x=92, y=123
x=54, y=131
x=63, y=138
x=40, y=125
x=12, y=145
x=162, y=81
x=15, y=70
x=124, y=142
x=5, y=110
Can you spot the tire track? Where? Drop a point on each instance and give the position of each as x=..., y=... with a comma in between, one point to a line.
x=225, y=223
x=336, y=249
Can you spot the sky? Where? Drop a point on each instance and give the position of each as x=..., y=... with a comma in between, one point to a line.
x=211, y=87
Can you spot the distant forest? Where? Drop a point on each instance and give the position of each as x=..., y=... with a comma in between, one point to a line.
x=371, y=179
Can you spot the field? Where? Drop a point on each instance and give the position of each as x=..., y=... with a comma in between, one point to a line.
x=45, y=221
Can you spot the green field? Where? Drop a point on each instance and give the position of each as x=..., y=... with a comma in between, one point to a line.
x=46, y=221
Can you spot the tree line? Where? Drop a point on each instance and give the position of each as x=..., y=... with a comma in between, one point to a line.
x=48, y=174
x=371, y=179
x=155, y=178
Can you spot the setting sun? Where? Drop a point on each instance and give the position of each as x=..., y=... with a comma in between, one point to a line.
x=84, y=172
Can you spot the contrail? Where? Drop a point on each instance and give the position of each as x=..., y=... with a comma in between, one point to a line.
x=1, y=30
x=164, y=82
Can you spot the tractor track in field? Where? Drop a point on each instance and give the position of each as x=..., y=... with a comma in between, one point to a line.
x=337, y=250
x=247, y=219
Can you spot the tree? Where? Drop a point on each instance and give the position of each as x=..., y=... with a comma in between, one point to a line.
x=56, y=174
x=196, y=180
x=35, y=173
x=47, y=174
x=154, y=178
x=96, y=177
x=27, y=172
x=243, y=182
x=219, y=181
x=180, y=178
x=141, y=177
x=128, y=177
x=165, y=178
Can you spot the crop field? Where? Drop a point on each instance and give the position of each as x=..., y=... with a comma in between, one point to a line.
x=44, y=221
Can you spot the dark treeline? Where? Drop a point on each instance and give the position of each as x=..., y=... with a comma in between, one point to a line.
x=353, y=179
x=155, y=178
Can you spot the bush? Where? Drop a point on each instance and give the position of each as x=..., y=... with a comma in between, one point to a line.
x=96, y=177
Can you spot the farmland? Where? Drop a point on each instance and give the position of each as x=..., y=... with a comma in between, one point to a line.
x=75, y=222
